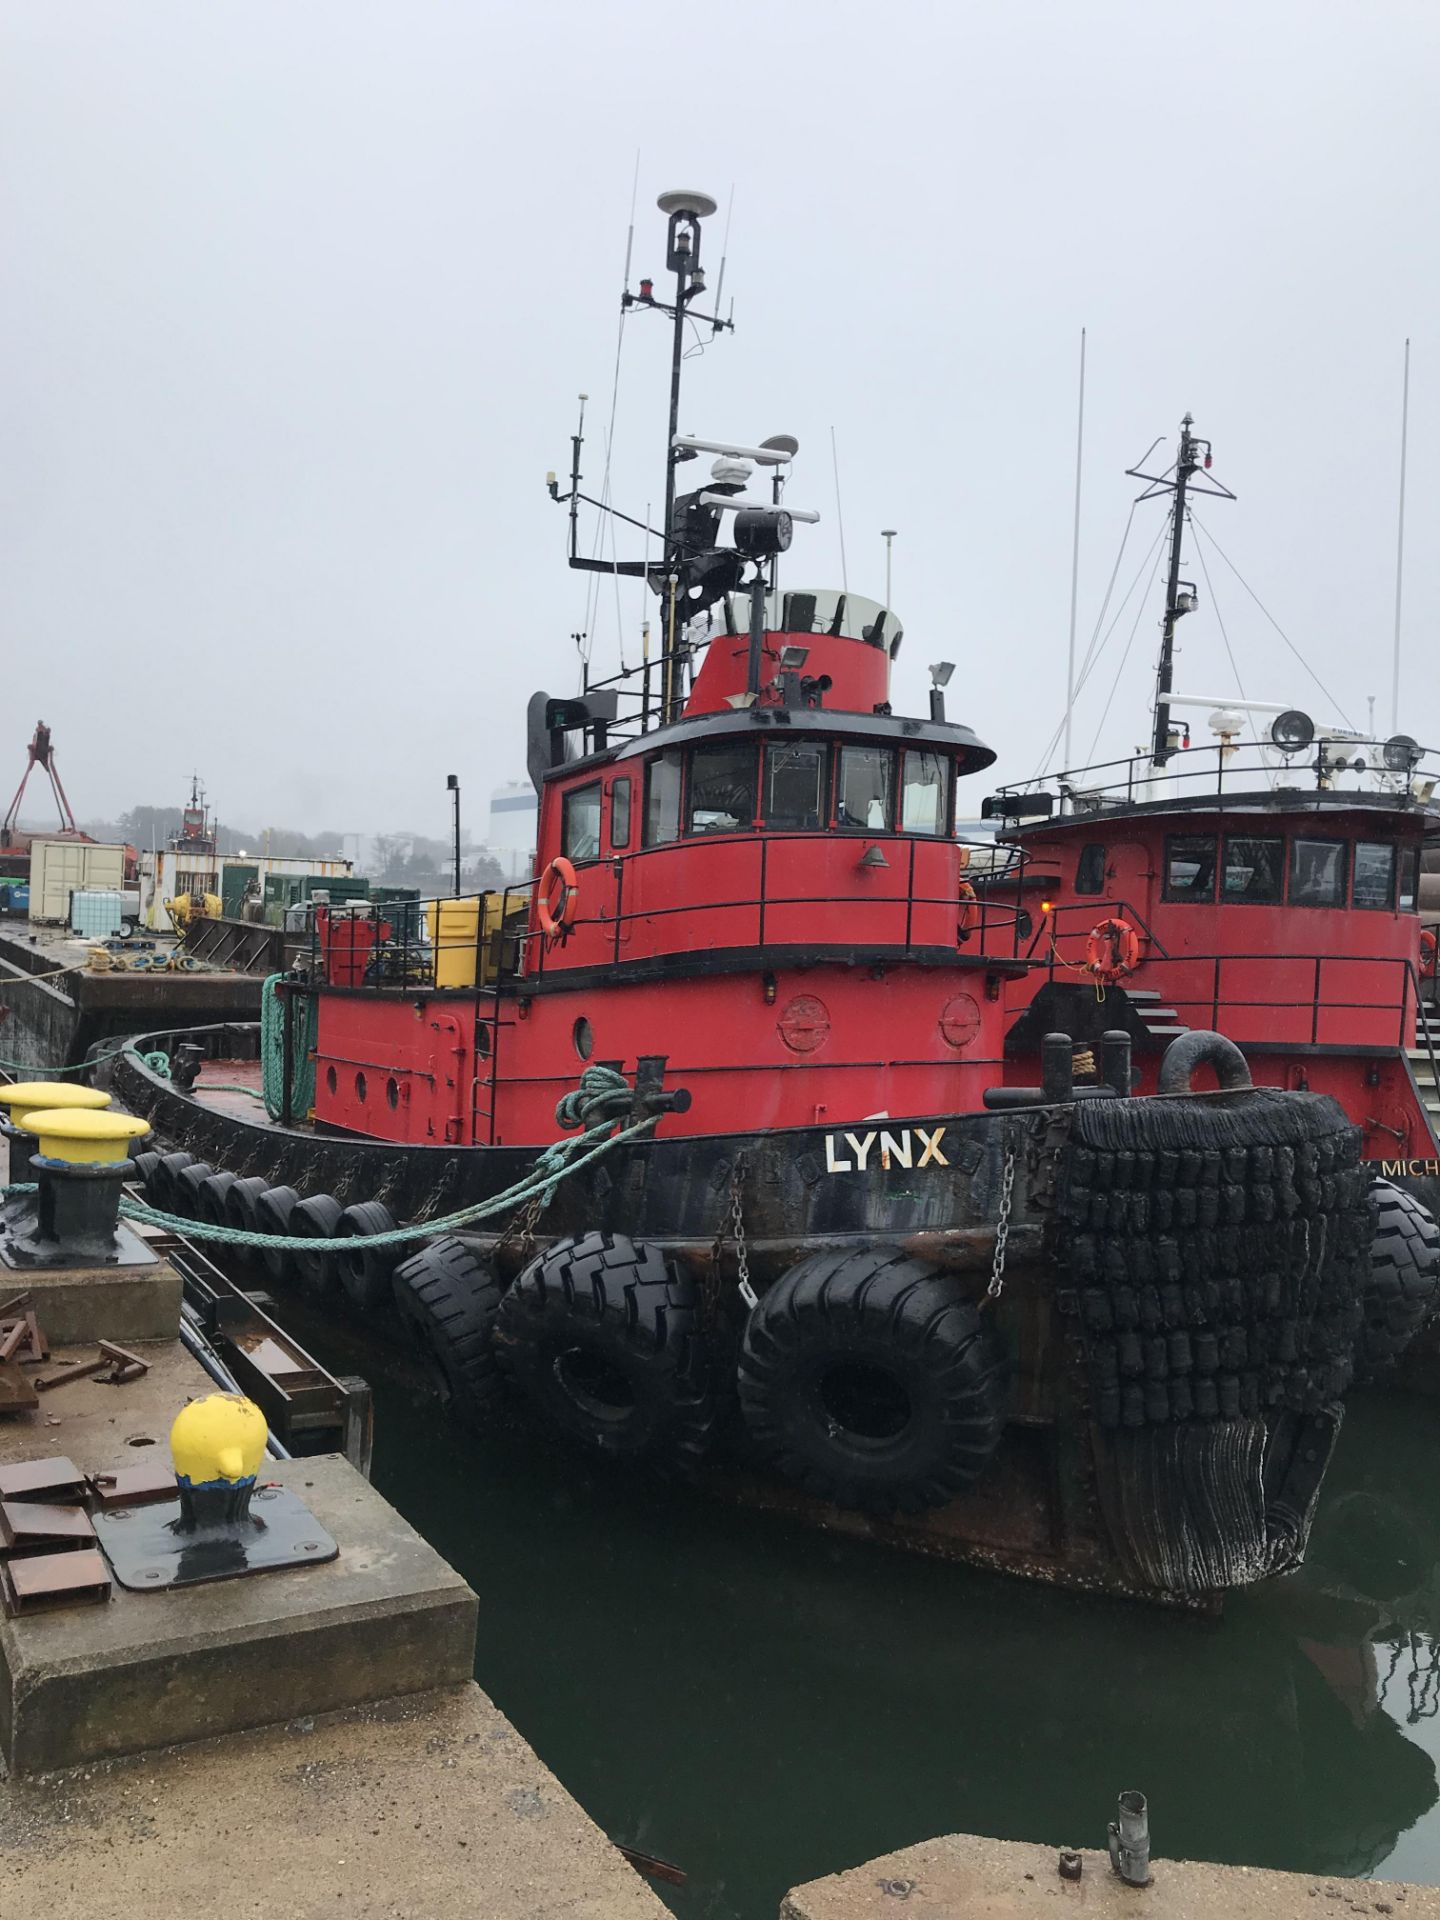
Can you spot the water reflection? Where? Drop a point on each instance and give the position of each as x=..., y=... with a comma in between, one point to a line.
x=762, y=1705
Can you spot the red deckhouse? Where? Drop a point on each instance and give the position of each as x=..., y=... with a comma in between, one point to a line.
x=746, y=865
x=1267, y=889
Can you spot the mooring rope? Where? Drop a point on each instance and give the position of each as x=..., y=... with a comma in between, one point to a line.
x=592, y=1105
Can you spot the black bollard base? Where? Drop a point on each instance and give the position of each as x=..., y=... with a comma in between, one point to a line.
x=72, y=1219
x=211, y=1533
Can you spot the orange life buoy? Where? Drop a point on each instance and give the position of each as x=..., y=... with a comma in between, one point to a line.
x=557, y=897
x=1429, y=951
x=1112, y=950
x=969, y=910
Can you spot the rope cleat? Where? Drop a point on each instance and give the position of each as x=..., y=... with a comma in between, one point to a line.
x=225, y=1521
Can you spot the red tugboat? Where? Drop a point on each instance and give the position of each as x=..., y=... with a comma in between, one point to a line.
x=1052, y=1328
x=1266, y=890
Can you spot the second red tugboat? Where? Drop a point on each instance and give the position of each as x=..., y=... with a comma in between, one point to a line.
x=1054, y=1329
x=1267, y=890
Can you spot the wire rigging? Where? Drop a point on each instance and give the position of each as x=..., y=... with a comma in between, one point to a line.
x=1202, y=528
x=1130, y=641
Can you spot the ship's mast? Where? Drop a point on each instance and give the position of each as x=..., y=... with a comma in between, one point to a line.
x=1180, y=595
x=1185, y=465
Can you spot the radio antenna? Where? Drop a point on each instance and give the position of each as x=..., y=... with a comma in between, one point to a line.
x=839, y=511
x=724, y=253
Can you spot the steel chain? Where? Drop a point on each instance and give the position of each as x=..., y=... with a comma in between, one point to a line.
x=1002, y=1227
x=737, y=1220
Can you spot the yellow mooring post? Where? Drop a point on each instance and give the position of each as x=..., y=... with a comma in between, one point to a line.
x=73, y=1217
x=82, y=1137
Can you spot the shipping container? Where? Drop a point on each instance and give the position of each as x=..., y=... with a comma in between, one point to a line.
x=59, y=867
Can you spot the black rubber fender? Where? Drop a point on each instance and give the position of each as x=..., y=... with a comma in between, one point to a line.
x=603, y=1336
x=872, y=1380
x=240, y=1213
x=316, y=1218
x=1202, y=1049
x=365, y=1272
x=160, y=1188
x=272, y=1215
x=447, y=1298
x=145, y=1165
x=1402, y=1288
x=189, y=1182
x=210, y=1202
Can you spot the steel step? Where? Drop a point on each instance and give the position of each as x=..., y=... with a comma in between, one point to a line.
x=1169, y=1033
x=1167, y=1014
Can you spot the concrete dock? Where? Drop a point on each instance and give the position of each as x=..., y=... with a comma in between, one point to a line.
x=420, y=1808
x=305, y=1741
x=963, y=1876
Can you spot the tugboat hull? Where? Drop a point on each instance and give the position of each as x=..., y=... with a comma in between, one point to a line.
x=1176, y=1304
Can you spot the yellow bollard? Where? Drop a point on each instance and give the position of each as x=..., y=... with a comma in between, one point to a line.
x=218, y=1440
x=82, y=1136
x=32, y=1095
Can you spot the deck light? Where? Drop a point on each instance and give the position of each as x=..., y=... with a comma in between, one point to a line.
x=1292, y=731
x=793, y=658
x=1047, y=906
x=940, y=673
x=1402, y=754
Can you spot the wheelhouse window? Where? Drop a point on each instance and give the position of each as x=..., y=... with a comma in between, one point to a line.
x=1254, y=870
x=1189, y=866
x=580, y=822
x=865, y=789
x=722, y=788
x=1409, y=879
x=619, y=813
x=1374, y=882
x=794, y=794
x=1317, y=873
x=662, y=798
x=925, y=792
x=1090, y=868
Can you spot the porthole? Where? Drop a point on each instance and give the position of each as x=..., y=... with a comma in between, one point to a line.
x=331, y=1080
x=584, y=1038
x=360, y=1086
x=392, y=1092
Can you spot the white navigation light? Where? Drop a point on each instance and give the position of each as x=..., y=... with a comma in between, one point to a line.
x=687, y=200
x=1401, y=753
x=1292, y=731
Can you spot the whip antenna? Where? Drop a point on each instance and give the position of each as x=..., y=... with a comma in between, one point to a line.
x=839, y=510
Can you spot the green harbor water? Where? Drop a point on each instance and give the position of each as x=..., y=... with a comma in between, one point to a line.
x=761, y=1704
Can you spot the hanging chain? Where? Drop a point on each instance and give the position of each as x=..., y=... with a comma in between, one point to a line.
x=737, y=1223
x=1002, y=1227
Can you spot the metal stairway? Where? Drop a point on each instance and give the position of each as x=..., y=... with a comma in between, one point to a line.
x=1164, y=1023
x=1423, y=1060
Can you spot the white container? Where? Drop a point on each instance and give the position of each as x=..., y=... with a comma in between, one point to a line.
x=59, y=868
x=96, y=915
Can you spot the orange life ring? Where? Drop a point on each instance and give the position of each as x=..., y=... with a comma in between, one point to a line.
x=1429, y=951
x=1112, y=950
x=969, y=910
x=557, y=897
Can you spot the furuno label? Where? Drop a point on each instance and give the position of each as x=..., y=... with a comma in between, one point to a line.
x=1393, y=1169
x=906, y=1147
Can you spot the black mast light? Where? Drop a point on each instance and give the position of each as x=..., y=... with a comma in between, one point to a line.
x=761, y=531
x=1401, y=754
x=1293, y=731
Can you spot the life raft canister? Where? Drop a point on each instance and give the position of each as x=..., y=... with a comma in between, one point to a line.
x=557, y=897
x=1429, y=948
x=1112, y=950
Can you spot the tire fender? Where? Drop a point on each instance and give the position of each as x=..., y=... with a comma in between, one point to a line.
x=1202, y=1049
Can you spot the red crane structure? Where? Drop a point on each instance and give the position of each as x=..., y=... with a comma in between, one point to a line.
x=41, y=754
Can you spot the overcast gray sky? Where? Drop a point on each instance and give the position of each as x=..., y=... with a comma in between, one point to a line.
x=296, y=297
